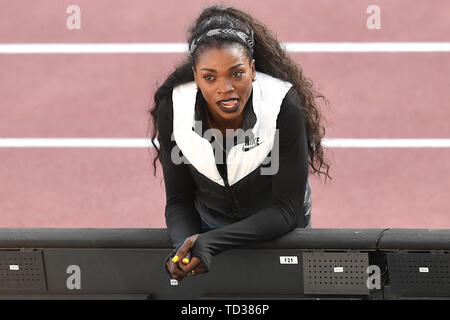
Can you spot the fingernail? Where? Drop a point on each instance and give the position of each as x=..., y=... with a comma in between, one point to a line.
x=185, y=260
x=175, y=259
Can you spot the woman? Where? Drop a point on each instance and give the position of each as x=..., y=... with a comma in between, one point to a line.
x=237, y=128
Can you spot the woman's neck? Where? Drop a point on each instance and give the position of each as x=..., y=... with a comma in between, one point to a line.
x=223, y=125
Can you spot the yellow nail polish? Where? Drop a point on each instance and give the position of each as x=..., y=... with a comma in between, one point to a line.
x=186, y=260
x=175, y=259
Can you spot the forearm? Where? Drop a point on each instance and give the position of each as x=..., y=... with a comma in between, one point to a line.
x=265, y=225
x=182, y=221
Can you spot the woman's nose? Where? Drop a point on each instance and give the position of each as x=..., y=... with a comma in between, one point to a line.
x=225, y=86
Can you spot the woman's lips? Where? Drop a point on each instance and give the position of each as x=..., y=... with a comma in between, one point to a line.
x=229, y=106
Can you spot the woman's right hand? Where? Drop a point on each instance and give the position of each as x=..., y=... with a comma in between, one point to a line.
x=183, y=268
x=181, y=265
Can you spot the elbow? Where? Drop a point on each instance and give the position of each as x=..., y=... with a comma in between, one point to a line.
x=292, y=216
x=293, y=222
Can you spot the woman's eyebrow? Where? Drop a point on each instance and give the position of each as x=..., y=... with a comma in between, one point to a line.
x=231, y=68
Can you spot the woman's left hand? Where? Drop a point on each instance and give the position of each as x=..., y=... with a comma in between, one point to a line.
x=184, y=265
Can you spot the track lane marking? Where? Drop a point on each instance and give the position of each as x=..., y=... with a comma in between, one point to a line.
x=118, y=48
x=146, y=143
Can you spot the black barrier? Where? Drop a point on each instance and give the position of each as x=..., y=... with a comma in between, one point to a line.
x=45, y=263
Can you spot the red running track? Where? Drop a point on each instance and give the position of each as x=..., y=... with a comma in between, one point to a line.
x=372, y=95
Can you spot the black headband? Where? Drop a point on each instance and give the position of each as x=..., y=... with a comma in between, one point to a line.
x=247, y=39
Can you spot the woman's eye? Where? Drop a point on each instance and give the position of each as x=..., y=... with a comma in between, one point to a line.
x=209, y=78
x=237, y=74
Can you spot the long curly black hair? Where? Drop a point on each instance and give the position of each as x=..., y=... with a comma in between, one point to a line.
x=270, y=58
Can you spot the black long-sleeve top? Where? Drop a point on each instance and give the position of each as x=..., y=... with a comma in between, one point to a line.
x=286, y=188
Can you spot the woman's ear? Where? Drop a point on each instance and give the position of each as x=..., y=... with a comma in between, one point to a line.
x=195, y=76
x=253, y=70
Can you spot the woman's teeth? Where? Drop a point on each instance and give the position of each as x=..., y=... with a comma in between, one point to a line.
x=229, y=103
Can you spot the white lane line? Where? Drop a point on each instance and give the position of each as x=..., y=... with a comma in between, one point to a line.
x=61, y=48
x=75, y=143
x=367, y=47
x=76, y=48
x=146, y=143
x=386, y=143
